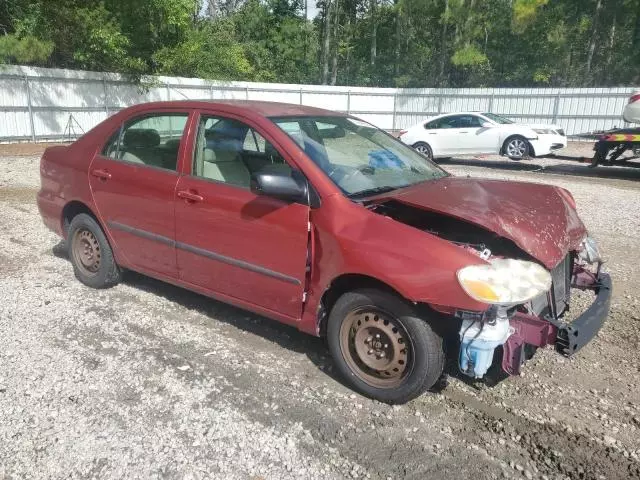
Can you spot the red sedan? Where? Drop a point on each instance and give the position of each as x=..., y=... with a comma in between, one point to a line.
x=320, y=220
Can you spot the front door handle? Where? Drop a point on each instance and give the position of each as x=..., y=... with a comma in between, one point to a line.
x=101, y=174
x=190, y=197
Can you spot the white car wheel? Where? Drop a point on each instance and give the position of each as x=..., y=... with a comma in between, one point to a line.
x=424, y=149
x=516, y=148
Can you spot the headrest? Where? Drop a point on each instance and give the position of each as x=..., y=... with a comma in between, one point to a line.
x=141, y=138
x=172, y=145
x=226, y=132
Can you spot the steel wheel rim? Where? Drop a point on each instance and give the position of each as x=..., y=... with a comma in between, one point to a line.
x=86, y=252
x=376, y=347
x=424, y=150
x=516, y=148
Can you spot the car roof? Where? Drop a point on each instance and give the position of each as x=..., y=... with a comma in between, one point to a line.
x=264, y=108
x=458, y=113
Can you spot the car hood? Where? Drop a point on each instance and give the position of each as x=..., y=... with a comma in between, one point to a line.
x=538, y=218
x=545, y=126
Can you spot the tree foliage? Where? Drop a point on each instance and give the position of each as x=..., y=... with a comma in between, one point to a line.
x=406, y=43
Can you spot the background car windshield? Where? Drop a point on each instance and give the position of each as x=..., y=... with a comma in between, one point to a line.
x=359, y=158
x=497, y=118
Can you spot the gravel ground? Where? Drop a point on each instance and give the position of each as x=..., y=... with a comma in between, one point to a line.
x=146, y=380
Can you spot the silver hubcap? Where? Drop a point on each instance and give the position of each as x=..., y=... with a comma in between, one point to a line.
x=516, y=148
x=423, y=149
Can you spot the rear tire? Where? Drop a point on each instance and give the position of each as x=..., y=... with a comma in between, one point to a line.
x=423, y=149
x=91, y=254
x=516, y=148
x=382, y=348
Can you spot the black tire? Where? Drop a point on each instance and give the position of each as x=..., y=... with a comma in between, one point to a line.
x=423, y=149
x=516, y=147
x=91, y=254
x=423, y=348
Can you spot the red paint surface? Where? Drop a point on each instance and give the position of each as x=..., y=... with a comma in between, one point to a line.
x=537, y=218
x=347, y=238
x=527, y=330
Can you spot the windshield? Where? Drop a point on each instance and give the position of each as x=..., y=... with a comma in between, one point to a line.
x=358, y=157
x=497, y=118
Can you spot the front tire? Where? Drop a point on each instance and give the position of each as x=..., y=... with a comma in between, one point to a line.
x=516, y=148
x=382, y=348
x=91, y=254
x=424, y=149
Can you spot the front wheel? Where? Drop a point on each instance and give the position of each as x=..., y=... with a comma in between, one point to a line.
x=382, y=348
x=424, y=149
x=516, y=148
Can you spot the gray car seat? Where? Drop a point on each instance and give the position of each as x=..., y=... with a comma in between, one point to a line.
x=225, y=165
x=139, y=145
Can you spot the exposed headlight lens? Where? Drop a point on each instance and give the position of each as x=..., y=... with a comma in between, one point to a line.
x=590, y=252
x=544, y=131
x=504, y=281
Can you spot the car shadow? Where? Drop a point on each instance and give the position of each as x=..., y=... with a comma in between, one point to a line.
x=283, y=335
x=581, y=169
x=280, y=334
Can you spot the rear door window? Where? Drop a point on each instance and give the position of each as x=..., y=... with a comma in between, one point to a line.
x=444, y=122
x=152, y=140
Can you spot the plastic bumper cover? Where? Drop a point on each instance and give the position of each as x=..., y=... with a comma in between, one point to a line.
x=568, y=338
x=573, y=336
x=546, y=144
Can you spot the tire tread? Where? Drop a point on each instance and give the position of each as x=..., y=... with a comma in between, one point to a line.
x=110, y=273
x=421, y=332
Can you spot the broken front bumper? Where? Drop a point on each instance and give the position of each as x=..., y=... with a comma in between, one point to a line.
x=568, y=338
x=575, y=335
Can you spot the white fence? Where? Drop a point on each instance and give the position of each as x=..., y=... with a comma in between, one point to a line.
x=38, y=104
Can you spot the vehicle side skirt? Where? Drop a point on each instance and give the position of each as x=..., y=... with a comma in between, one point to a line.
x=219, y=296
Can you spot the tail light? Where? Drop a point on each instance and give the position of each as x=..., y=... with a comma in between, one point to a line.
x=402, y=132
x=635, y=98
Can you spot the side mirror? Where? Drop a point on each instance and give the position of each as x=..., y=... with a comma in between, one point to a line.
x=279, y=183
x=486, y=125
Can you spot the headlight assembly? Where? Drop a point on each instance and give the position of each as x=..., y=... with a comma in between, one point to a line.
x=504, y=281
x=544, y=131
x=589, y=251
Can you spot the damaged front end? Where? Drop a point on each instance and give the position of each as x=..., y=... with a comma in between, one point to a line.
x=527, y=281
x=510, y=334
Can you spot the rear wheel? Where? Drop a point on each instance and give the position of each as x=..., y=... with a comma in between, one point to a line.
x=91, y=254
x=424, y=149
x=382, y=348
x=516, y=148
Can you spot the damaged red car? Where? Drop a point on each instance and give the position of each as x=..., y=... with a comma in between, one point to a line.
x=320, y=220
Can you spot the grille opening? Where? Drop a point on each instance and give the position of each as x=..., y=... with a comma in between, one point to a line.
x=561, y=286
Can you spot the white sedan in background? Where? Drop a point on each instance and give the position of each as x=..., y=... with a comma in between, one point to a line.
x=476, y=133
x=631, y=112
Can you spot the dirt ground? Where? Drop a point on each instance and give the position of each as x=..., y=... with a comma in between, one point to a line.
x=24, y=149
x=146, y=380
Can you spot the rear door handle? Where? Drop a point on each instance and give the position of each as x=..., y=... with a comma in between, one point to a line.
x=101, y=174
x=190, y=197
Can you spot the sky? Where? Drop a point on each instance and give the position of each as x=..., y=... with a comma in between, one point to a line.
x=312, y=10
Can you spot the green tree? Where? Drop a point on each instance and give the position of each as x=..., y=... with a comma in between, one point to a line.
x=407, y=43
x=210, y=51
